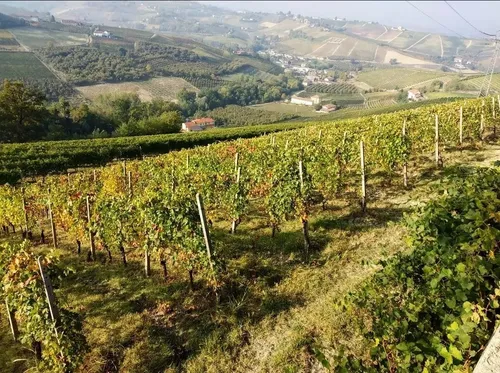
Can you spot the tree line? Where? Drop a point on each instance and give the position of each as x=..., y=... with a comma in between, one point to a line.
x=247, y=91
x=25, y=115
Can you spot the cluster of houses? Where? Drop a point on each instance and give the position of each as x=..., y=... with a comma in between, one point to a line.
x=101, y=33
x=199, y=124
x=460, y=63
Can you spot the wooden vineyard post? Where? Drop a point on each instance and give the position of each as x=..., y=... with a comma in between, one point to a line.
x=187, y=161
x=301, y=175
x=481, y=128
x=52, y=225
x=286, y=145
x=320, y=133
x=236, y=160
x=129, y=180
x=95, y=175
x=436, y=141
x=238, y=176
x=69, y=179
x=147, y=263
x=405, y=164
x=49, y=292
x=363, y=176
x=91, y=235
x=25, y=214
x=11, y=315
x=461, y=126
x=344, y=138
x=206, y=233
x=124, y=169
x=493, y=112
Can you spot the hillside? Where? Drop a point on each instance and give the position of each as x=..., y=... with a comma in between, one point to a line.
x=288, y=33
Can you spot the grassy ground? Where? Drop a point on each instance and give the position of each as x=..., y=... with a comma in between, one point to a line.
x=165, y=88
x=273, y=304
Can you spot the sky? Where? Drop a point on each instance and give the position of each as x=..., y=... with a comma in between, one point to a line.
x=482, y=14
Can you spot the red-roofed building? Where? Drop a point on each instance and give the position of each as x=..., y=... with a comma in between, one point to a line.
x=199, y=124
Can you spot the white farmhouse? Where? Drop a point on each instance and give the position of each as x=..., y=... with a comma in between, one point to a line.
x=313, y=100
x=414, y=95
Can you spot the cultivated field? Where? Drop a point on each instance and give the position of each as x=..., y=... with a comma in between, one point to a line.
x=407, y=39
x=398, y=77
x=474, y=84
x=38, y=38
x=165, y=88
x=8, y=42
x=281, y=107
x=431, y=45
x=19, y=65
x=367, y=30
x=406, y=60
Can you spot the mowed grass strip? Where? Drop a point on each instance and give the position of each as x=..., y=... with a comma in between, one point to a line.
x=18, y=65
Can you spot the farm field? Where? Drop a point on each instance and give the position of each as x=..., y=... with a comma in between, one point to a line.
x=434, y=95
x=365, y=29
x=165, y=88
x=264, y=286
x=389, y=35
x=257, y=74
x=286, y=108
x=363, y=50
x=34, y=38
x=19, y=65
x=407, y=39
x=398, y=77
x=431, y=45
x=8, y=42
x=336, y=88
x=299, y=46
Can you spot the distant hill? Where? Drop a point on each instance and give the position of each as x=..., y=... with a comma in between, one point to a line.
x=303, y=36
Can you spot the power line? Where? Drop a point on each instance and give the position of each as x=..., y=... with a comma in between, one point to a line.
x=470, y=24
x=421, y=11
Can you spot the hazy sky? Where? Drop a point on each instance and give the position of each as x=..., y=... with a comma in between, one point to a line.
x=482, y=14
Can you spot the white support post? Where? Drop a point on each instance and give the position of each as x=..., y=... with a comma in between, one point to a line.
x=204, y=227
x=405, y=164
x=436, y=141
x=461, y=126
x=363, y=176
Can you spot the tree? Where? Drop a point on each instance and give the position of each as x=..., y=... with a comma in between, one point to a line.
x=187, y=101
x=393, y=61
x=318, y=107
x=22, y=112
x=52, y=19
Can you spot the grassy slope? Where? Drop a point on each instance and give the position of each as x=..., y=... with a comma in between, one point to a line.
x=278, y=304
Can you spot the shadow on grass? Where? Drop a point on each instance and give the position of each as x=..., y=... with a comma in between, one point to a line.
x=357, y=221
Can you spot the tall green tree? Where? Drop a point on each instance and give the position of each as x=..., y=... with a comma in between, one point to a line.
x=22, y=112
